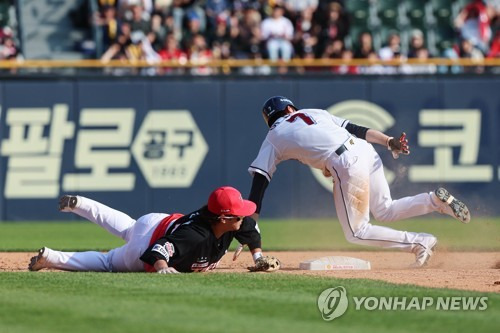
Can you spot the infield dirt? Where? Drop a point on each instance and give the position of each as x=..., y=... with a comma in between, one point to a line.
x=476, y=271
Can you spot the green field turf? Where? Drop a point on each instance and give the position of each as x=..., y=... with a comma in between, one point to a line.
x=215, y=302
x=483, y=234
x=224, y=302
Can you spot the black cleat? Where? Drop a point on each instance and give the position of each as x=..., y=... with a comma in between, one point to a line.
x=452, y=206
x=67, y=203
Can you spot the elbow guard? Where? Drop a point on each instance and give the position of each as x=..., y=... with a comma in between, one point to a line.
x=358, y=131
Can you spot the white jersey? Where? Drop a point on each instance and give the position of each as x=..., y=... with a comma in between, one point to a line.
x=310, y=136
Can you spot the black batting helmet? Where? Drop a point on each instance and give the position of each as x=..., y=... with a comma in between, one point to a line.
x=274, y=108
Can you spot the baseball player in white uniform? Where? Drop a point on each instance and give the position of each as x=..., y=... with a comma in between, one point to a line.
x=343, y=150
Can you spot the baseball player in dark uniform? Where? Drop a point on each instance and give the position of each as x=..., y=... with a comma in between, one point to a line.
x=163, y=243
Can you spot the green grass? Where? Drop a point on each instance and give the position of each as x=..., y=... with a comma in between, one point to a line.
x=224, y=302
x=214, y=302
x=483, y=234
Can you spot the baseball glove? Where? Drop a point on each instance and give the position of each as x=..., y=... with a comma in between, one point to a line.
x=266, y=264
x=399, y=146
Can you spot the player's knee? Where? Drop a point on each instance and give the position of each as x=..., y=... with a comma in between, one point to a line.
x=351, y=237
x=384, y=216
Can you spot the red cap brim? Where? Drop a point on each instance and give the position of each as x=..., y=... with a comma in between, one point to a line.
x=247, y=209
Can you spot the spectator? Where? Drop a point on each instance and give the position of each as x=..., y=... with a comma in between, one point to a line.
x=166, y=28
x=416, y=43
x=187, y=8
x=240, y=5
x=374, y=69
x=162, y=7
x=347, y=55
x=8, y=49
x=157, y=31
x=199, y=53
x=365, y=46
x=139, y=20
x=295, y=8
x=333, y=49
x=193, y=29
x=308, y=57
x=214, y=10
x=148, y=53
x=126, y=6
x=306, y=33
x=118, y=49
x=220, y=34
x=466, y=50
x=247, y=43
x=220, y=40
x=109, y=25
x=172, y=52
x=277, y=31
x=392, y=49
x=474, y=24
x=298, y=6
x=335, y=25
x=421, y=54
x=495, y=46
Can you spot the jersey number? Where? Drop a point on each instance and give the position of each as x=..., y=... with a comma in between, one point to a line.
x=305, y=118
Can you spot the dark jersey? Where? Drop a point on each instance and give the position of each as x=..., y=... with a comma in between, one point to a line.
x=191, y=246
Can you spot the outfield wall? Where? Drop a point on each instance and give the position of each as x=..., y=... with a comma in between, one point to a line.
x=162, y=144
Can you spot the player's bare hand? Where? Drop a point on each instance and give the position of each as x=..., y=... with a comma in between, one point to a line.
x=399, y=146
x=168, y=270
x=238, y=251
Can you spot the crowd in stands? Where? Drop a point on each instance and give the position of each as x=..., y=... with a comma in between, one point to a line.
x=199, y=31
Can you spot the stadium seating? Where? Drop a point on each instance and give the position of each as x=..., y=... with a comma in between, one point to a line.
x=442, y=11
x=415, y=11
x=388, y=12
x=359, y=11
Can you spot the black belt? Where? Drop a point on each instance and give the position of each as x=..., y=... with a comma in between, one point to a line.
x=341, y=150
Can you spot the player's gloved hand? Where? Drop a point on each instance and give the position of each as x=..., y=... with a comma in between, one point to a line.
x=266, y=264
x=399, y=146
x=168, y=270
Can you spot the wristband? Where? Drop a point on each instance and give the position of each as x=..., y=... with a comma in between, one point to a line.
x=256, y=256
x=387, y=142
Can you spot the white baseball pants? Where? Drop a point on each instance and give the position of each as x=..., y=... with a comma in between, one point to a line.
x=360, y=187
x=136, y=234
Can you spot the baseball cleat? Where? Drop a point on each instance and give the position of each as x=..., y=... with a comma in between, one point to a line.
x=67, y=203
x=450, y=205
x=423, y=254
x=38, y=262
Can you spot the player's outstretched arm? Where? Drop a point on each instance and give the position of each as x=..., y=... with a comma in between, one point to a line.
x=396, y=146
x=374, y=136
x=259, y=186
